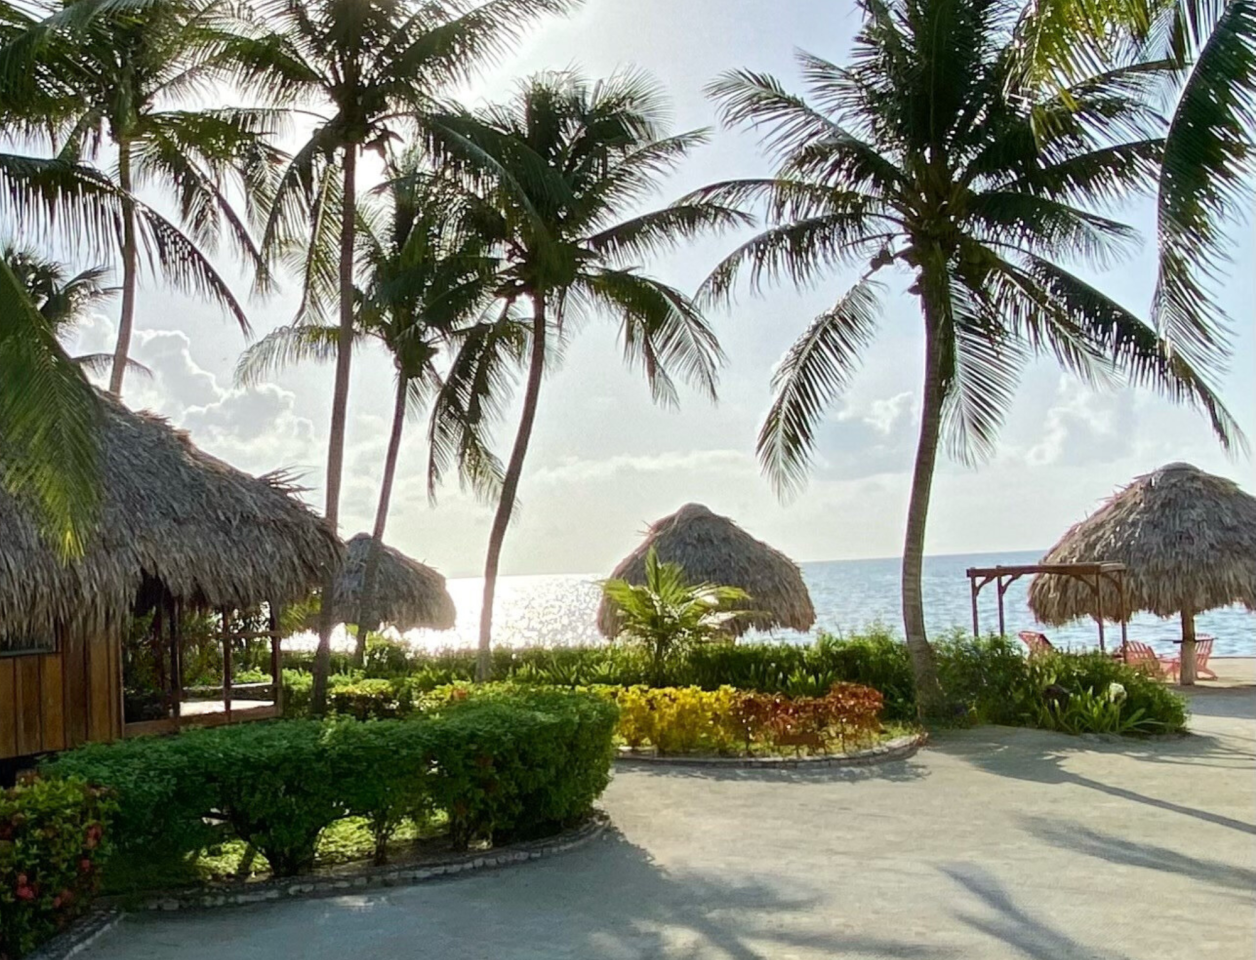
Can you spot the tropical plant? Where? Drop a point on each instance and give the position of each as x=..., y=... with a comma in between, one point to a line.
x=425, y=282
x=666, y=615
x=47, y=421
x=924, y=156
x=118, y=73
x=373, y=66
x=557, y=169
x=1206, y=172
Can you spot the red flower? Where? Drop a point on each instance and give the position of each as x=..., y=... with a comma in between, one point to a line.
x=85, y=865
x=25, y=893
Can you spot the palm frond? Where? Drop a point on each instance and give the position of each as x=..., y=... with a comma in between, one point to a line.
x=815, y=371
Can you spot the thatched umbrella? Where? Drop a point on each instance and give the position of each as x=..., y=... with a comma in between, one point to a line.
x=713, y=549
x=1187, y=539
x=408, y=595
x=170, y=517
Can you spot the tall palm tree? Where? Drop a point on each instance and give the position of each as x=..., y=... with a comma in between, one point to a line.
x=426, y=280
x=115, y=73
x=558, y=170
x=1206, y=174
x=925, y=158
x=371, y=66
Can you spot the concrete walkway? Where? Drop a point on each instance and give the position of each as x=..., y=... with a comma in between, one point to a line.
x=993, y=843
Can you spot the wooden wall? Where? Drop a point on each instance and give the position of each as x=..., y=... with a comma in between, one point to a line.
x=54, y=701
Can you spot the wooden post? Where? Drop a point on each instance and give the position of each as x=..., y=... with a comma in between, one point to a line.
x=226, y=663
x=276, y=657
x=1002, y=626
x=1125, y=618
x=1186, y=672
x=1099, y=609
x=972, y=587
x=176, y=654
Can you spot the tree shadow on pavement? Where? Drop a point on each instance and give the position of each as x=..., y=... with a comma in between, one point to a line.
x=1038, y=756
x=1014, y=925
x=1115, y=849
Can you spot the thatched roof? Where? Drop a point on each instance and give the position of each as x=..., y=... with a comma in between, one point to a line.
x=1187, y=539
x=210, y=534
x=408, y=595
x=713, y=549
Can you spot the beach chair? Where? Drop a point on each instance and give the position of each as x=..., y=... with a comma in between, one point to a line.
x=1036, y=642
x=1203, y=650
x=1141, y=657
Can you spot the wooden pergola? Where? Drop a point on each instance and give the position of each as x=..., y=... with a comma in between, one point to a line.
x=1091, y=574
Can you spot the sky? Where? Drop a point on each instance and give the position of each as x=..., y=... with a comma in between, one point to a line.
x=605, y=462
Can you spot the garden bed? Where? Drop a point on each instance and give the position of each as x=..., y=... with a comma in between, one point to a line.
x=894, y=747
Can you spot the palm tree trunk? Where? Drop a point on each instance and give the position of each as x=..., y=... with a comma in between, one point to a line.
x=130, y=257
x=367, y=619
x=924, y=669
x=510, y=486
x=339, y=407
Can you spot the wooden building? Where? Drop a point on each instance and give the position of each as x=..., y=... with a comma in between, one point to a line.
x=177, y=531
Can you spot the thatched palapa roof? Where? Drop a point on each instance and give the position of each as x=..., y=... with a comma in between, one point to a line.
x=408, y=594
x=1186, y=537
x=211, y=535
x=713, y=549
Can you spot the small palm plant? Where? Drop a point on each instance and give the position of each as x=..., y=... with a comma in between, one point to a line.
x=667, y=615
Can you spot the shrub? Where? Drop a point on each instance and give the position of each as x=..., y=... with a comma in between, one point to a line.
x=1085, y=683
x=273, y=784
x=372, y=699
x=691, y=720
x=513, y=763
x=53, y=837
x=159, y=787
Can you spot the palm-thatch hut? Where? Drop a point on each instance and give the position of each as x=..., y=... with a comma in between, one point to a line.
x=1188, y=542
x=178, y=530
x=714, y=549
x=408, y=594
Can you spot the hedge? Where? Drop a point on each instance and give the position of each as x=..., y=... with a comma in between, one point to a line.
x=987, y=679
x=509, y=766
x=53, y=837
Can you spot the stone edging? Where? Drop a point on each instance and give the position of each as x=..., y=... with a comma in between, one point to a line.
x=900, y=748
x=371, y=877
x=80, y=935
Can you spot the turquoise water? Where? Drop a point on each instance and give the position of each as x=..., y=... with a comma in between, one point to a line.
x=848, y=595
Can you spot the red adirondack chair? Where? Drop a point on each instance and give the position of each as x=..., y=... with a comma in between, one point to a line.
x=1140, y=656
x=1203, y=650
x=1036, y=642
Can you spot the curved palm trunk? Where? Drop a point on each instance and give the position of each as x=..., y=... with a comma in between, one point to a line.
x=367, y=618
x=924, y=669
x=130, y=258
x=510, y=486
x=339, y=406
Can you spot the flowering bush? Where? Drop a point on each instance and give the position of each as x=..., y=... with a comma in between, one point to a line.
x=691, y=720
x=52, y=839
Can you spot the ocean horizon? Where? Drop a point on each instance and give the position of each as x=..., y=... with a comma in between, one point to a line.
x=849, y=596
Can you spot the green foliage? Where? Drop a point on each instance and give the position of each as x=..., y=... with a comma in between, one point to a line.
x=499, y=765
x=667, y=615
x=53, y=837
x=1101, y=695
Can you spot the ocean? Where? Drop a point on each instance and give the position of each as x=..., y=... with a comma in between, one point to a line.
x=848, y=596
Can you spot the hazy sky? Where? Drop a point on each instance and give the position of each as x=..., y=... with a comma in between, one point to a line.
x=605, y=461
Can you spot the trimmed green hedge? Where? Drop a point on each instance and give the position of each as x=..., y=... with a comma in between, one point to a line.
x=517, y=764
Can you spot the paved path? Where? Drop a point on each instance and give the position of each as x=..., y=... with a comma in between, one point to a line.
x=993, y=843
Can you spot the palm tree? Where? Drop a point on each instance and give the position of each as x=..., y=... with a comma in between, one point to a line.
x=557, y=170
x=923, y=156
x=1206, y=173
x=47, y=421
x=105, y=71
x=426, y=282
x=373, y=65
